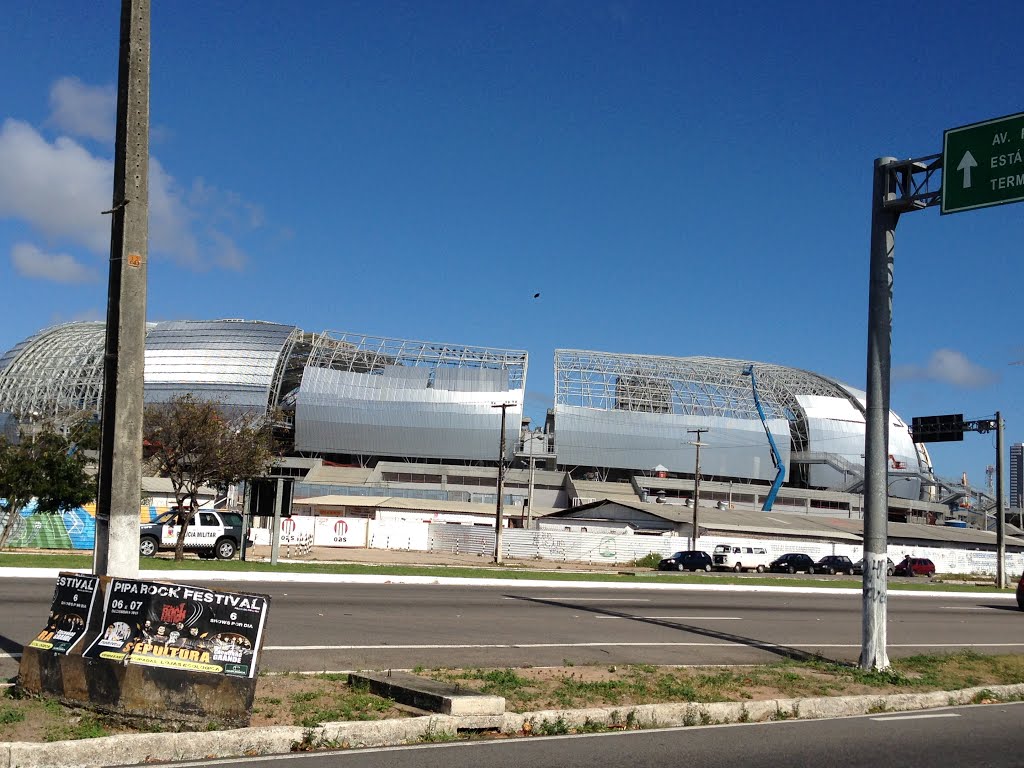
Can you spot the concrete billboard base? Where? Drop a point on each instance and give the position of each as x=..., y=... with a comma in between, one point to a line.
x=138, y=694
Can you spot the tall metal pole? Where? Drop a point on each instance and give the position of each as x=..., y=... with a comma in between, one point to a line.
x=246, y=506
x=275, y=533
x=499, y=511
x=116, y=550
x=529, y=492
x=696, y=488
x=873, y=655
x=1000, y=521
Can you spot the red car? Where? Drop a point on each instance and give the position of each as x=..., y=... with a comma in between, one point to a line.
x=914, y=566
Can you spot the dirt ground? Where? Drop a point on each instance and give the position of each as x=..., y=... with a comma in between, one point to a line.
x=306, y=700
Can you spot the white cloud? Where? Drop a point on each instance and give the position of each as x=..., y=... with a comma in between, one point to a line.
x=950, y=367
x=29, y=261
x=84, y=110
x=59, y=189
x=226, y=254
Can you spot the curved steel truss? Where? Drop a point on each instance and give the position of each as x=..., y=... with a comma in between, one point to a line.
x=57, y=371
x=357, y=353
x=705, y=386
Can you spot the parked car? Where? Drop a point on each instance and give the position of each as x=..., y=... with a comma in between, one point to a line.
x=890, y=566
x=1020, y=592
x=690, y=560
x=835, y=564
x=914, y=566
x=791, y=562
x=212, y=533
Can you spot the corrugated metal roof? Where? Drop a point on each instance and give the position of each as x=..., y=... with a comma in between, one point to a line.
x=426, y=505
x=324, y=475
x=596, y=489
x=781, y=524
x=163, y=485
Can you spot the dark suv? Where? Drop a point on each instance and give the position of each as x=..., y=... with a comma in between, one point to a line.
x=791, y=562
x=835, y=564
x=914, y=566
x=690, y=560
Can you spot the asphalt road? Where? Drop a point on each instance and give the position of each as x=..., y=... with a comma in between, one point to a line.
x=958, y=737
x=379, y=626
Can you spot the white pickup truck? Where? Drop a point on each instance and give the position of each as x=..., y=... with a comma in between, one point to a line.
x=727, y=557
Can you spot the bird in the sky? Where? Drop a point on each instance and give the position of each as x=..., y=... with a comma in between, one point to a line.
x=536, y=295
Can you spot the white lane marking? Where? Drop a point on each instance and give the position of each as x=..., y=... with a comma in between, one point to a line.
x=688, y=618
x=5, y=655
x=965, y=607
x=913, y=717
x=755, y=645
x=589, y=599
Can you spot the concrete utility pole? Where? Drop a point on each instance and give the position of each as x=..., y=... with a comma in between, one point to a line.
x=1000, y=520
x=876, y=431
x=696, y=488
x=116, y=550
x=499, y=511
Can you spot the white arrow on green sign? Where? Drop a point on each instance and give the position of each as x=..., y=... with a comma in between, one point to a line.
x=983, y=164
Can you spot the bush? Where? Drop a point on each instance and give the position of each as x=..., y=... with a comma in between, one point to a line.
x=650, y=560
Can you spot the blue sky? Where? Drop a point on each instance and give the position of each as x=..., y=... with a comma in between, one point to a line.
x=674, y=178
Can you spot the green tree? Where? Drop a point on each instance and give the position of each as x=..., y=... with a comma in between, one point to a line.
x=195, y=442
x=46, y=467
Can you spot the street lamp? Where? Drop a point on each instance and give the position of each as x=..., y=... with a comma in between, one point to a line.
x=888, y=487
x=896, y=480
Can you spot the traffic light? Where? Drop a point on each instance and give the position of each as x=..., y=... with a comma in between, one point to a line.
x=937, y=429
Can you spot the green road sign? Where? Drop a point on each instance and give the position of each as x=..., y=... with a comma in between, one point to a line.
x=983, y=164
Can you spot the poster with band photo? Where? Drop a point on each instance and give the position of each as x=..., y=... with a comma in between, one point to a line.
x=178, y=626
x=73, y=599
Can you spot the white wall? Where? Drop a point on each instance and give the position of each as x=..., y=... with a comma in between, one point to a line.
x=592, y=547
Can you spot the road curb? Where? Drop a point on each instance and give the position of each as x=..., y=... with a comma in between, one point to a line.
x=162, y=747
x=189, y=576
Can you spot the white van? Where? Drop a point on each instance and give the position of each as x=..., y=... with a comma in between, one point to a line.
x=732, y=558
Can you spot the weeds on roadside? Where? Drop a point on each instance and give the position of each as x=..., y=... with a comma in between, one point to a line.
x=436, y=736
x=314, y=739
x=9, y=716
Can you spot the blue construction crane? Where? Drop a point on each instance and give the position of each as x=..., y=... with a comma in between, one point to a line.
x=780, y=468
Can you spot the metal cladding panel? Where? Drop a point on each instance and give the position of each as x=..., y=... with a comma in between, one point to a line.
x=637, y=440
x=836, y=426
x=230, y=361
x=372, y=414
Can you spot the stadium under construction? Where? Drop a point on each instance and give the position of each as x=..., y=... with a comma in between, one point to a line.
x=366, y=415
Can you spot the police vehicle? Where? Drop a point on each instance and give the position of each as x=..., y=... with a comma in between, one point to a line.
x=212, y=533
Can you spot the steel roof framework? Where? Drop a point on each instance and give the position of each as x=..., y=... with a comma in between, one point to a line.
x=57, y=371
x=702, y=386
x=358, y=353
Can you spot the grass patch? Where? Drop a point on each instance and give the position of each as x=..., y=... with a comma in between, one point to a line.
x=509, y=571
x=9, y=715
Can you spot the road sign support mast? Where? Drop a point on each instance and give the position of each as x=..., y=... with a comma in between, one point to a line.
x=876, y=428
x=1000, y=519
x=900, y=186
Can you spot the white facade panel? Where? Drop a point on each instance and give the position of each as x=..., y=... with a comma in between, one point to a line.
x=368, y=414
x=637, y=440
